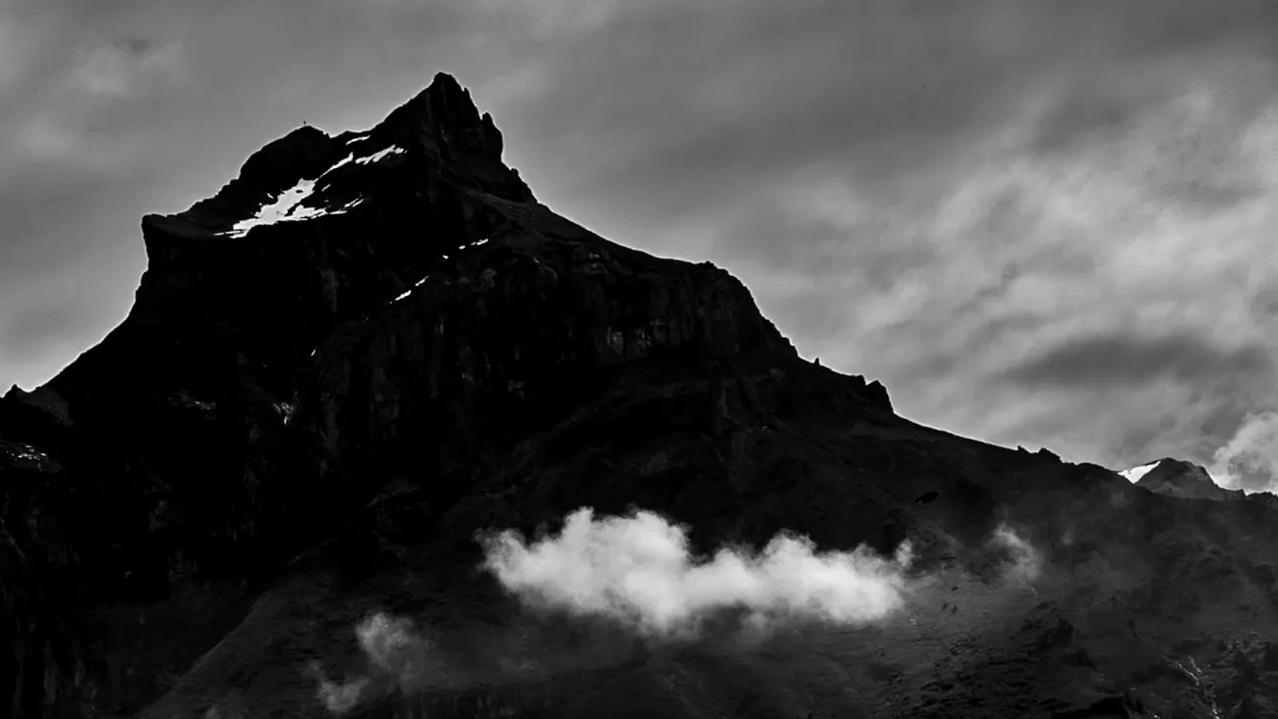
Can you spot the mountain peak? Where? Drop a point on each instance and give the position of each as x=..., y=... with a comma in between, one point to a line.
x=435, y=143
x=320, y=231
x=445, y=91
x=444, y=116
x=1178, y=478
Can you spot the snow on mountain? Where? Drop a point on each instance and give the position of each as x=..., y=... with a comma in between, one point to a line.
x=377, y=156
x=287, y=205
x=1134, y=474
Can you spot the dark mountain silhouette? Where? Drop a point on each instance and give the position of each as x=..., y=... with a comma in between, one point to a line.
x=370, y=346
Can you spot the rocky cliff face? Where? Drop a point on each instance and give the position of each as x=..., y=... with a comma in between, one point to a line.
x=369, y=346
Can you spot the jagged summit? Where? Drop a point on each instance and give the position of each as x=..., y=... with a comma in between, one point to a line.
x=444, y=114
x=436, y=141
x=315, y=230
x=318, y=230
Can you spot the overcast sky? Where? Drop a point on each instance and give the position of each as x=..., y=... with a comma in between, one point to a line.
x=1038, y=222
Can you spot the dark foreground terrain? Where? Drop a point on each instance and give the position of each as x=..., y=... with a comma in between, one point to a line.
x=302, y=424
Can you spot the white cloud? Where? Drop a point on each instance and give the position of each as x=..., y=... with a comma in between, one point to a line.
x=639, y=569
x=1249, y=460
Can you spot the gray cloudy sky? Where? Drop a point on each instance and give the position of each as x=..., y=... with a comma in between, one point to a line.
x=1047, y=222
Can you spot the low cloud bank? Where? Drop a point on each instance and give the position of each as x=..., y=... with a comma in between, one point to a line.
x=639, y=569
x=1249, y=460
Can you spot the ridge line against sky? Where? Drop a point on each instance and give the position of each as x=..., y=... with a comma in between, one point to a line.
x=1039, y=223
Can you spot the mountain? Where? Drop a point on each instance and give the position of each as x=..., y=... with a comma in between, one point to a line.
x=1176, y=478
x=267, y=492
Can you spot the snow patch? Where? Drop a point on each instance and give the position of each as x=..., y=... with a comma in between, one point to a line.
x=377, y=156
x=287, y=207
x=1134, y=474
x=285, y=203
x=357, y=138
x=409, y=291
x=344, y=161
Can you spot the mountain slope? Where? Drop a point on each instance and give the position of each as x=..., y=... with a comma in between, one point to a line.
x=370, y=346
x=1185, y=479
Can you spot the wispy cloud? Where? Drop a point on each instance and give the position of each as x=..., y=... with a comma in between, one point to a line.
x=1024, y=561
x=396, y=656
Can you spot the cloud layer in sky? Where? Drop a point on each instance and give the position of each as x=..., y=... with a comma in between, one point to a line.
x=1042, y=223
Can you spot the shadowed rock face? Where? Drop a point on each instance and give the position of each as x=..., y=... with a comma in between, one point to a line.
x=369, y=346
